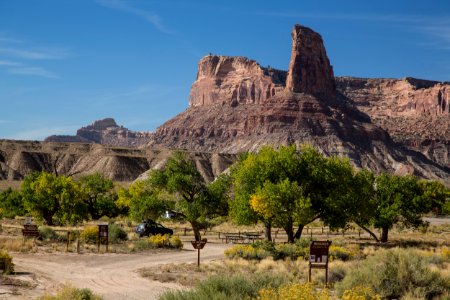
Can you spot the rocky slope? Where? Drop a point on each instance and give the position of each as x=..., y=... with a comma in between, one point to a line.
x=105, y=132
x=236, y=106
x=19, y=158
x=415, y=112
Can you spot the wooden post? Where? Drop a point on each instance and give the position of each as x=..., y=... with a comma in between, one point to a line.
x=184, y=231
x=68, y=241
x=78, y=245
x=311, y=233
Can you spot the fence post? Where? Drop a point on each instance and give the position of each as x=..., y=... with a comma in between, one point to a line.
x=68, y=241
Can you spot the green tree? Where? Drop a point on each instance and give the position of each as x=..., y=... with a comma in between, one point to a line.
x=195, y=201
x=436, y=193
x=47, y=196
x=289, y=186
x=99, y=195
x=11, y=204
x=398, y=199
x=144, y=201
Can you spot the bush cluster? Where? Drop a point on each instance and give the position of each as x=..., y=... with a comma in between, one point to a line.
x=6, y=264
x=295, y=291
x=116, y=233
x=68, y=292
x=47, y=234
x=300, y=250
x=227, y=288
x=395, y=273
x=165, y=241
x=90, y=234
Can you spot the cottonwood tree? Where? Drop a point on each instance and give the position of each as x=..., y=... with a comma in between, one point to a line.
x=11, y=204
x=194, y=199
x=285, y=187
x=47, y=196
x=99, y=195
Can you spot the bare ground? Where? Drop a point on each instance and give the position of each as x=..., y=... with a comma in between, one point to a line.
x=113, y=276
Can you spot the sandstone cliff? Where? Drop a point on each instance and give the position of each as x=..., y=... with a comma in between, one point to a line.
x=415, y=112
x=105, y=132
x=236, y=106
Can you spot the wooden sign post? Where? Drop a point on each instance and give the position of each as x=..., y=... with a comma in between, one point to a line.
x=318, y=257
x=102, y=235
x=199, y=245
x=30, y=230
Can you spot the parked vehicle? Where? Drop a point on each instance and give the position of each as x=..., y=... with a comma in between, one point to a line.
x=150, y=227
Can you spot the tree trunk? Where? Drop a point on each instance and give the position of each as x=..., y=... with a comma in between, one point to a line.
x=290, y=234
x=268, y=231
x=384, y=234
x=298, y=233
x=48, y=217
x=369, y=231
x=196, y=230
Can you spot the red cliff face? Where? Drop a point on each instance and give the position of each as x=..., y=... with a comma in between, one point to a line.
x=310, y=71
x=224, y=79
x=236, y=105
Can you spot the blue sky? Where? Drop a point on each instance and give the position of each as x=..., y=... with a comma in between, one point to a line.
x=64, y=64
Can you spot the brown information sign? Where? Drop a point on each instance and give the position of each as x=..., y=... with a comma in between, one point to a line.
x=102, y=235
x=318, y=257
x=199, y=245
x=30, y=230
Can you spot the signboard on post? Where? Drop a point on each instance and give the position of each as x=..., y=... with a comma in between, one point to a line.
x=318, y=257
x=102, y=235
x=30, y=230
x=199, y=245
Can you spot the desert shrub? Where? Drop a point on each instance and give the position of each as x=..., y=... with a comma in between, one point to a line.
x=295, y=291
x=247, y=252
x=116, y=233
x=6, y=264
x=227, y=288
x=90, y=234
x=338, y=252
x=292, y=251
x=165, y=241
x=445, y=253
x=68, y=292
x=393, y=273
x=17, y=245
x=47, y=233
x=360, y=293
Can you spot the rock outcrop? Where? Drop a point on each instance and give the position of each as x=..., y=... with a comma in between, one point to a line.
x=19, y=158
x=224, y=116
x=105, y=132
x=310, y=71
x=234, y=80
x=415, y=112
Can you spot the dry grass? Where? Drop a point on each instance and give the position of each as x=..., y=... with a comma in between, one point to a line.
x=15, y=244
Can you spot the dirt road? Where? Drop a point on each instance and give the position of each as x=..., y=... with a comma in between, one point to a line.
x=114, y=276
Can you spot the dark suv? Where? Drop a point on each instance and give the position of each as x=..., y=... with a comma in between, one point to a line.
x=150, y=227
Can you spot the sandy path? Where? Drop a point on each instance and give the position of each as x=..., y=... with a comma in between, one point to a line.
x=114, y=276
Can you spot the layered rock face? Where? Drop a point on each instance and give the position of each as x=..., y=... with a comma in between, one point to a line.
x=20, y=158
x=305, y=109
x=105, y=132
x=310, y=71
x=415, y=112
x=223, y=79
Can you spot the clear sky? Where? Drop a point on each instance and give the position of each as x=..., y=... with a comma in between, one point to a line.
x=64, y=64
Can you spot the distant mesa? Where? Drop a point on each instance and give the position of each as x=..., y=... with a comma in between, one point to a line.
x=106, y=132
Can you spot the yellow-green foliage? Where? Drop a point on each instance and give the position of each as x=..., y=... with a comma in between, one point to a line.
x=247, y=252
x=6, y=264
x=165, y=241
x=446, y=253
x=360, y=293
x=295, y=291
x=68, y=292
x=338, y=252
x=90, y=234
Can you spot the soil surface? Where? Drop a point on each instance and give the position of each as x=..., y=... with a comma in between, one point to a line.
x=113, y=276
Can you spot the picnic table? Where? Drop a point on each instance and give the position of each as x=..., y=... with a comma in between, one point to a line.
x=252, y=237
x=234, y=238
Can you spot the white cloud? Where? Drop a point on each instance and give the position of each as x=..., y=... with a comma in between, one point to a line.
x=150, y=17
x=33, y=71
x=9, y=63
